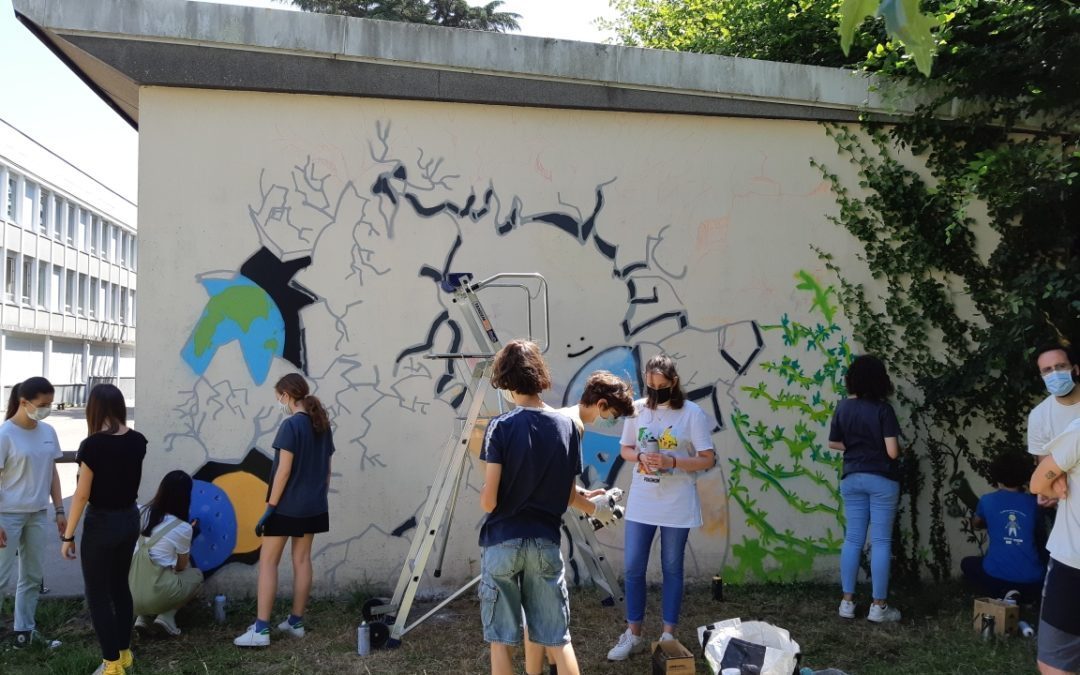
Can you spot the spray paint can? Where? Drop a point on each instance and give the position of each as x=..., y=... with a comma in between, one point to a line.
x=363, y=639
x=219, y=608
x=652, y=446
x=718, y=588
x=1025, y=629
x=987, y=626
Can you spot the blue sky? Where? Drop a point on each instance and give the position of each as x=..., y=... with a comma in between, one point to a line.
x=47, y=101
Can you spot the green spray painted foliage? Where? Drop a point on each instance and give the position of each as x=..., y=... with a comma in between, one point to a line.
x=789, y=456
x=241, y=304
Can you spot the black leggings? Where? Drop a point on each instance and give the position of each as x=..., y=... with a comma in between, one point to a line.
x=108, y=541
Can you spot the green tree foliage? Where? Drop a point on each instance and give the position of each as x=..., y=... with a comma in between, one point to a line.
x=451, y=13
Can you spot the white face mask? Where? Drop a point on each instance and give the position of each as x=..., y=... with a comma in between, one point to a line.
x=38, y=414
x=285, y=406
x=508, y=395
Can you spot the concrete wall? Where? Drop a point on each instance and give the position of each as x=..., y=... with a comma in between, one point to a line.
x=684, y=234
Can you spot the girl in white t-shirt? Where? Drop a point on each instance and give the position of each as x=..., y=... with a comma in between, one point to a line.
x=167, y=515
x=668, y=442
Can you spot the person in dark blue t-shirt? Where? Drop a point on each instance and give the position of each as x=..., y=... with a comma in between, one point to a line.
x=1013, y=524
x=865, y=429
x=533, y=456
x=297, y=507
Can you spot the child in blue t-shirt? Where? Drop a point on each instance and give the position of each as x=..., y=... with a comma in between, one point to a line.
x=532, y=457
x=1011, y=517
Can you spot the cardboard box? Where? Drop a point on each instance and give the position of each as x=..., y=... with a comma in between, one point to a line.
x=670, y=657
x=1006, y=615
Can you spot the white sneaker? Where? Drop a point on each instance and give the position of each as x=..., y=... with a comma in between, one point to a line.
x=251, y=638
x=142, y=624
x=883, y=614
x=168, y=625
x=847, y=609
x=665, y=636
x=628, y=644
x=296, y=631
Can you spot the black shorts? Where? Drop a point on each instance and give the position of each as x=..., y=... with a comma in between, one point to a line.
x=1059, y=625
x=278, y=525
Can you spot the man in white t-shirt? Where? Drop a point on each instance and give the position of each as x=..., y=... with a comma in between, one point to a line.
x=1059, y=620
x=1059, y=372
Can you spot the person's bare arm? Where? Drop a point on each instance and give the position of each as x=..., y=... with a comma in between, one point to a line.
x=892, y=447
x=978, y=522
x=281, y=477
x=1046, y=480
x=836, y=445
x=182, y=562
x=489, y=494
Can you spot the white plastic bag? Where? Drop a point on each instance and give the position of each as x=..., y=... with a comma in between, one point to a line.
x=734, y=643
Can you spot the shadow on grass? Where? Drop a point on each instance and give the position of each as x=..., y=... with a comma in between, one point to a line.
x=935, y=636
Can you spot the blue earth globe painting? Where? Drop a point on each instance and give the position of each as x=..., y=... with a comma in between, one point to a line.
x=240, y=310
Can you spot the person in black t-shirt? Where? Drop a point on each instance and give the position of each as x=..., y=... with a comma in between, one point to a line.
x=110, y=469
x=533, y=456
x=865, y=429
x=297, y=507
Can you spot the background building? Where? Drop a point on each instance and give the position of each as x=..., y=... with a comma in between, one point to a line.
x=69, y=259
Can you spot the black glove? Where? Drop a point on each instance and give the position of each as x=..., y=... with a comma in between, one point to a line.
x=261, y=525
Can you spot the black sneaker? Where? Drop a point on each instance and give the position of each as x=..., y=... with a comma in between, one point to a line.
x=25, y=638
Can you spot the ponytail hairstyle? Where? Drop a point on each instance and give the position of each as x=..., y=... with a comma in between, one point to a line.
x=296, y=387
x=173, y=498
x=27, y=390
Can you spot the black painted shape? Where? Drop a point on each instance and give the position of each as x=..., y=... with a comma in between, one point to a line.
x=635, y=299
x=607, y=249
x=631, y=268
x=563, y=221
x=709, y=392
x=255, y=463
x=741, y=368
x=455, y=346
x=382, y=187
x=400, y=172
x=275, y=277
x=679, y=316
x=404, y=527
x=429, y=344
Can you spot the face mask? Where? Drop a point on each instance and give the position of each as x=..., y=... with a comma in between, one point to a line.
x=508, y=395
x=38, y=414
x=605, y=422
x=661, y=396
x=285, y=407
x=1059, y=383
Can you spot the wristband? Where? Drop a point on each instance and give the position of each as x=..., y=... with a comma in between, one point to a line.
x=674, y=463
x=67, y=540
x=639, y=458
x=59, y=512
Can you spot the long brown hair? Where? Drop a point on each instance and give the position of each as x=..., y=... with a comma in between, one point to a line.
x=296, y=387
x=29, y=390
x=662, y=364
x=105, y=408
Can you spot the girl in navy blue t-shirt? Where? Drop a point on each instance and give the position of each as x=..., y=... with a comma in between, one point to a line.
x=297, y=507
x=865, y=429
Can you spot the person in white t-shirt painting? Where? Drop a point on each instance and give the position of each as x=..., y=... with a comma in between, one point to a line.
x=1059, y=617
x=29, y=449
x=165, y=528
x=1059, y=371
x=668, y=442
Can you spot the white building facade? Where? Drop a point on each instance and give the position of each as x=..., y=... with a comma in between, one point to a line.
x=69, y=253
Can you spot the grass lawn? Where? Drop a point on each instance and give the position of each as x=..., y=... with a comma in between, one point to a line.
x=935, y=637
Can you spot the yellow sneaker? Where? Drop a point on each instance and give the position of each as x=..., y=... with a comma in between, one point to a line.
x=126, y=659
x=110, y=668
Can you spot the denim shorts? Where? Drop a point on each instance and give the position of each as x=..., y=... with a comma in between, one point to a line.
x=524, y=576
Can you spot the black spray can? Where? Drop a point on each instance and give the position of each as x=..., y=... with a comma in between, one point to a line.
x=718, y=588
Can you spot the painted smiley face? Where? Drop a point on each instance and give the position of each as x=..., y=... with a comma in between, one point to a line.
x=581, y=352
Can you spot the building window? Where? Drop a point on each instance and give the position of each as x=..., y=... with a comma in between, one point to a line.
x=56, y=285
x=72, y=223
x=84, y=231
x=9, y=277
x=43, y=213
x=12, y=186
x=42, y=284
x=83, y=287
x=135, y=252
x=94, y=284
x=115, y=309
x=70, y=291
x=124, y=307
x=133, y=312
x=58, y=218
x=95, y=235
x=124, y=249
x=28, y=212
x=27, y=278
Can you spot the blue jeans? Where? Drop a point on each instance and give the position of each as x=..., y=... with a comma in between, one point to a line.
x=639, y=539
x=869, y=499
x=524, y=576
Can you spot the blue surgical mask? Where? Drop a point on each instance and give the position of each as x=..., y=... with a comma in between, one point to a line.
x=605, y=422
x=1059, y=382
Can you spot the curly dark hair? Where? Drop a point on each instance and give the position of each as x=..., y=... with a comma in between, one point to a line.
x=1010, y=469
x=520, y=367
x=1063, y=346
x=867, y=378
x=613, y=390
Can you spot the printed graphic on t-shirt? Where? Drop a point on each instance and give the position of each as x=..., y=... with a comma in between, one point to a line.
x=1011, y=535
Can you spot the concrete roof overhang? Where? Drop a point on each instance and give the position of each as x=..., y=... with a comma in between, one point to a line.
x=118, y=46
